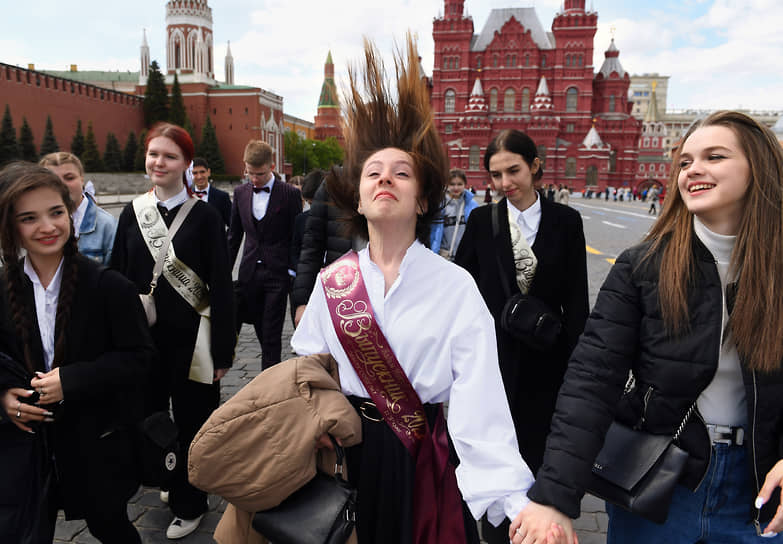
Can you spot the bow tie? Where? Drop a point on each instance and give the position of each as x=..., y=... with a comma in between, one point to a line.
x=200, y=193
x=259, y=189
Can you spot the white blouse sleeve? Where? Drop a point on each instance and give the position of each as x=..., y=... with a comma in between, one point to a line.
x=492, y=475
x=309, y=337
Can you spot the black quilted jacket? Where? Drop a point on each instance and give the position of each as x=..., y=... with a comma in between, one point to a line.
x=625, y=332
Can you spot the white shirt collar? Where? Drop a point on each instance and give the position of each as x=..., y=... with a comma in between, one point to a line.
x=174, y=201
x=45, y=307
x=528, y=220
x=78, y=215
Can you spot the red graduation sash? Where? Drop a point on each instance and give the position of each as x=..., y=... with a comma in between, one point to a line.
x=437, y=506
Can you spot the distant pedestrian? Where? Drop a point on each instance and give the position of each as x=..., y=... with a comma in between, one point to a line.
x=448, y=227
x=652, y=194
x=487, y=196
x=74, y=353
x=563, y=195
x=206, y=191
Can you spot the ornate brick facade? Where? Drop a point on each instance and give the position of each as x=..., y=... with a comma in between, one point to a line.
x=513, y=74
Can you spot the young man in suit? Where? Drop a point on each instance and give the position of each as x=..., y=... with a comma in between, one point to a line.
x=203, y=189
x=264, y=211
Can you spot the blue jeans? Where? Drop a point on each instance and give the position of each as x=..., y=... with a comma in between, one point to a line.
x=718, y=512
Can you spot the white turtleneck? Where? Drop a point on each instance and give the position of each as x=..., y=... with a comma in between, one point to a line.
x=723, y=401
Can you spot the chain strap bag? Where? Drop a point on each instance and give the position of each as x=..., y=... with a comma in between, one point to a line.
x=323, y=511
x=637, y=471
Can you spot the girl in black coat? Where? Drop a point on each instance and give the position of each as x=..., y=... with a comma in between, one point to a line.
x=695, y=313
x=531, y=376
x=180, y=333
x=76, y=349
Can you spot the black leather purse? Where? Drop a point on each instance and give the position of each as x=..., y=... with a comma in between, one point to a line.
x=525, y=317
x=323, y=511
x=637, y=471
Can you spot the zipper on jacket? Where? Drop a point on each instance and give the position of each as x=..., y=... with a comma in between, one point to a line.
x=753, y=452
x=646, y=400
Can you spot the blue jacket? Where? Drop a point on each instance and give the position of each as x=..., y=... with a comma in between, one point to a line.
x=436, y=234
x=96, y=233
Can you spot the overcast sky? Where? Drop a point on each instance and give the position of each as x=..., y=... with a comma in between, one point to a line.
x=719, y=53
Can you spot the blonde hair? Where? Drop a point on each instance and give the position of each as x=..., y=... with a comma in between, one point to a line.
x=59, y=158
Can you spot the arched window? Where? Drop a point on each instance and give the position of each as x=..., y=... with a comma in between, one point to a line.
x=591, y=176
x=611, y=102
x=571, y=99
x=641, y=167
x=542, y=155
x=646, y=142
x=493, y=100
x=508, y=100
x=568, y=60
x=474, y=162
x=570, y=170
x=177, y=54
x=613, y=161
x=451, y=99
x=580, y=60
x=478, y=63
x=543, y=61
x=508, y=60
x=494, y=61
x=456, y=62
x=513, y=60
x=527, y=59
x=655, y=142
x=525, y=100
x=445, y=63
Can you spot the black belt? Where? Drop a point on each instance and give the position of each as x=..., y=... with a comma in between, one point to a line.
x=723, y=434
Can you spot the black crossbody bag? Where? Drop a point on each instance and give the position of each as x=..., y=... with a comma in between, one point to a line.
x=323, y=511
x=525, y=317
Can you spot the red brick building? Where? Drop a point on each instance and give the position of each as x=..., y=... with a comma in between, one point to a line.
x=513, y=74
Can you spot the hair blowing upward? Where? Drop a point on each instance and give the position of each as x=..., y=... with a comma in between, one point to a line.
x=374, y=122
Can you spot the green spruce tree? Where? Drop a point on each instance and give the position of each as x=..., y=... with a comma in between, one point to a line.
x=156, y=99
x=91, y=158
x=138, y=160
x=77, y=144
x=27, y=143
x=188, y=126
x=112, y=156
x=9, y=149
x=177, y=113
x=129, y=153
x=49, y=143
x=209, y=149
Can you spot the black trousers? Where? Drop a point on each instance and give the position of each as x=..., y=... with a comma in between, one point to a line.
x=383, y=473
x=262, y=303
x=191, y=403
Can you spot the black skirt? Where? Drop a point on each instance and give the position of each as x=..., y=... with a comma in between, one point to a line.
x=383, y=472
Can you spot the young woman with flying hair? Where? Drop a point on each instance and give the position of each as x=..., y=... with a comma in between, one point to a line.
x=695, y=313
x=75, y=351
x=194, y=332
x=94, y=226
x=430, y=322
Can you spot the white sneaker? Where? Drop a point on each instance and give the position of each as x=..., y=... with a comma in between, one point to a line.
x=182, y=527
x=164, y=497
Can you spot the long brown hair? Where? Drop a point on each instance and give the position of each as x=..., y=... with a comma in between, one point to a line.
x=756, y=321
x=17, y=179
x=375, y=122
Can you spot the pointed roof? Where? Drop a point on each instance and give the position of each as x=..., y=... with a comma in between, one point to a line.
x=612, y=62
x=478, y=90
x=228, y=49
x=476, y=103
x=329, y=98
x=144, y=38
x=527, y=17
x=543, y=101
x=592, y=139
x=652, y=115
x=422, y=73
x=329, y=58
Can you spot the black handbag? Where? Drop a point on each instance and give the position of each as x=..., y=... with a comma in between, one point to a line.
x=525, y=317
x=638, y=471
x=158, y=449
x=323, y=511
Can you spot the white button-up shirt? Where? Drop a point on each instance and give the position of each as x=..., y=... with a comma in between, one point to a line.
x=444, y=338
x=45, y=307
x=174, y=201
x=528, y=220
x=261, y=200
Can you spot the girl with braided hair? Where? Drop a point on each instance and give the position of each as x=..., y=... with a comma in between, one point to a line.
x=74, y=350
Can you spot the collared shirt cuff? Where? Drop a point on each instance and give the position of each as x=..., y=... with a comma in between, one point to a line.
x=291, y=273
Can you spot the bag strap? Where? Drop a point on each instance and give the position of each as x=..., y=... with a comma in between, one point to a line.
x=685, y=419
x=456, y=227
x=164, y=249
x=495, y=232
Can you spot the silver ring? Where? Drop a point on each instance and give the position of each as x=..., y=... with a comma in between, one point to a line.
x=18, y=414
x=519, y=530
x=41, y=391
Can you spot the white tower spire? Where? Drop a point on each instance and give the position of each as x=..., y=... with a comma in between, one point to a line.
x=145, y=59
x=229, y=65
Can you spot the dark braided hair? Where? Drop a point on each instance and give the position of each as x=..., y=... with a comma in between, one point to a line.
x=17, y=179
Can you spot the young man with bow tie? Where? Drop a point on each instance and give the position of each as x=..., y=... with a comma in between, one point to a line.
x=207, y=192
x=264, y=211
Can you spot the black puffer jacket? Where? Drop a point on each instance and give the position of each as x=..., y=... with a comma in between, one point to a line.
x=625, y=332
x=323, y=243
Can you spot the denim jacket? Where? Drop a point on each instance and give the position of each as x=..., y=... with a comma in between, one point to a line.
x=96, y=233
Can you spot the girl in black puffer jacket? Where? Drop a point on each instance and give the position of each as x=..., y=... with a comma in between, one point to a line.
x=695, y=315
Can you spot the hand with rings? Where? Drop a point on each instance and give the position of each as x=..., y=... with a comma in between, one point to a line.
x=48, y=386
x=539, y=524
x=20, y=413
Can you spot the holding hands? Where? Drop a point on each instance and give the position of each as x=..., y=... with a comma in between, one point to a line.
x=539, y=524
x=19, y=412
x=48, y=386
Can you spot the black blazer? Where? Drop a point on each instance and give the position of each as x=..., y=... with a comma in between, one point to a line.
x=268, y=240
x=531, y=378
x=108, y=352
x=220, y=200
